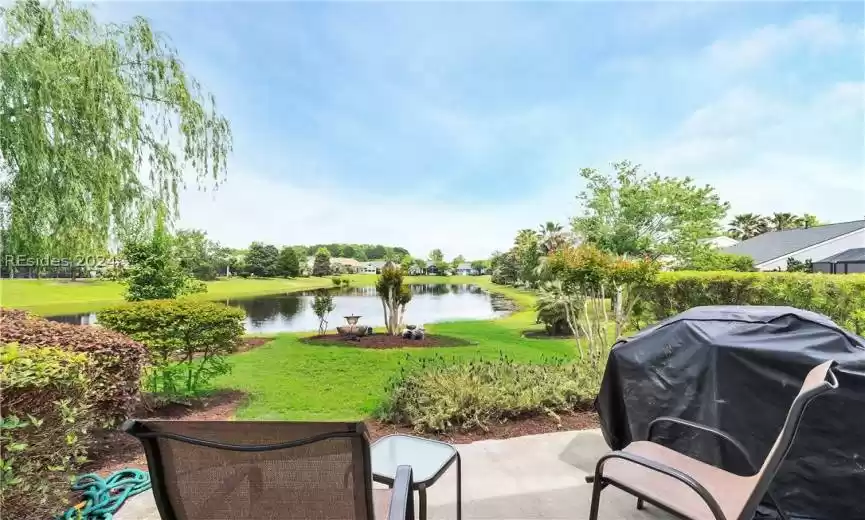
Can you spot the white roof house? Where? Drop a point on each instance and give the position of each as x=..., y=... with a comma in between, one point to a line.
x=771, y=250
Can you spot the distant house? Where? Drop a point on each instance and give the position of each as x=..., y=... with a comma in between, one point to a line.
x=373, y=267
x=820, y=244
x=720, y=242
x=415, y=270
x=466, y=269
x=345, y=265
x=845, y=262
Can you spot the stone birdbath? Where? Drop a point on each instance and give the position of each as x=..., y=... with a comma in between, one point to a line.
x=352, y=329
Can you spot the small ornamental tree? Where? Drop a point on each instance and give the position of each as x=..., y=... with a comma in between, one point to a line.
x=153, y=271
x=321, y=263
x=583, y=279
x=322, y=305
x=394, y=297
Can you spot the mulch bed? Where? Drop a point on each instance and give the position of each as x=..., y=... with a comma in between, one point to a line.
x=114, y=450
x=515, y=428
x=384, y=341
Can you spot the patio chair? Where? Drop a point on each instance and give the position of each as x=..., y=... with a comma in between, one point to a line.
x=691, y=489
x=234, y=470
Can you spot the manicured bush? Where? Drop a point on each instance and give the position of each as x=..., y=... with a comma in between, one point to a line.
x=188, y=339
x=437, y=396
x=45, y=420
x=117, y=361
x=837, y=296
x=713, y=260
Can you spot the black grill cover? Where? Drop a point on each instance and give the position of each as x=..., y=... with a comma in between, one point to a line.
x=738, y=369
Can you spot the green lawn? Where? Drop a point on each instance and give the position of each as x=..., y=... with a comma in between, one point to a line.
x=289, y=380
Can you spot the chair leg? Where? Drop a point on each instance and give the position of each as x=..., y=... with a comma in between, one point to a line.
x=640, y=503
x=597, y=487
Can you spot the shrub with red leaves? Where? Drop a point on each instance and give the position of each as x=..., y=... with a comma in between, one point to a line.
x=117, y=361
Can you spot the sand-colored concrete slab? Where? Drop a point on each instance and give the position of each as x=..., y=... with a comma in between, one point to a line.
x=524, y=478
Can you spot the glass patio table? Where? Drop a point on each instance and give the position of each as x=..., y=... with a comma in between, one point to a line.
x=428, y=459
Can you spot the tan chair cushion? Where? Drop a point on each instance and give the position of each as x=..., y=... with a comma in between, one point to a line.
x=729, y=490
x=381, y=502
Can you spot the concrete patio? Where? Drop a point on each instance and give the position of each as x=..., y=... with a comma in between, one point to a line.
x=536, y=476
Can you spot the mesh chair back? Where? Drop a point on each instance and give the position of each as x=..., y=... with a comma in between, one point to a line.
x=818, y=381
x=218, y=470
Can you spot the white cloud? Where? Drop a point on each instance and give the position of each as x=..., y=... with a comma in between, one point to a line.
x=815, y=33
x=766, y=155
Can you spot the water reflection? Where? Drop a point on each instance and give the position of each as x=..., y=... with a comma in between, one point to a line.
x=293, y=312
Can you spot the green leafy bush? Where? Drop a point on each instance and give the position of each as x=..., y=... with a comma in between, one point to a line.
x=837, y=296
x=117, y=361
x=44, y=427
x=437, y=396
x=713, y=260
x=188, y=339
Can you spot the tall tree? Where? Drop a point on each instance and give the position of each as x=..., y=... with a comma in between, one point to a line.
x=747, y=225
x=457, y=261
x=196, y=254
x=321, y=263
x=782, y=221
x=261, y=259
x=527, y=255
x=436, y=255
x=287, y=264
x=84, y=108
x=631, y=213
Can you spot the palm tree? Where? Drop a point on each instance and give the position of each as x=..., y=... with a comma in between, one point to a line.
x=747, y=225
x=808, y=220
x=552, y=237
x=782, y=221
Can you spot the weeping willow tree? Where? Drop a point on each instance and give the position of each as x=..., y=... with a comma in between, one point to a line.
x=99, y=124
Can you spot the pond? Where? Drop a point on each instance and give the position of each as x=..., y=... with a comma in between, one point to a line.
x=293, y=312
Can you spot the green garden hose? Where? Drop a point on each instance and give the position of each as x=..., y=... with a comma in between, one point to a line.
x=103, y=497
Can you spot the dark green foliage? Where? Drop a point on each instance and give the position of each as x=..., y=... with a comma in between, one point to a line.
x=45, y=427
x=116, y=362
x=797, y=266
x=435, y=396
x=288, y=264
x=360, y=252
x=553, y=314
x=188, y=339
x=837, y=296
x=505, y=269
x=198, y=256
x=261, y=259
x=711, y=260
x=153, y=271
x=321, y=263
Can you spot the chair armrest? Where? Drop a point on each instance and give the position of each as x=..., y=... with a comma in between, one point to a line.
x=402, y=499
x=708, y=429
x=684, y=478
x=727, y=437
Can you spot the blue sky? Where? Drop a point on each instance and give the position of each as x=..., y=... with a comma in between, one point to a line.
x=452, y=125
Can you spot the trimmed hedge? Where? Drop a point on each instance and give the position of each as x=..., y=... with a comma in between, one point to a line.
x=840, y=297
x=46, y=420
x=117, y=361
x=436, y=396
x=188, y=339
